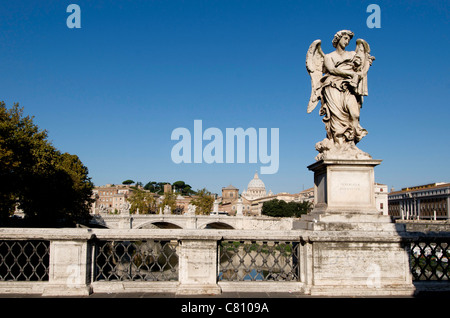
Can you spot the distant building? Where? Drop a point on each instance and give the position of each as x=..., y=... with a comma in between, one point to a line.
x=228, y=200
x=307, y=195
x=255, y=189
x=429, y=201
x=167, y=188
x=182, y=203
x=108, y=198
x=381, y=198
x=229, y=194
x=254, y=197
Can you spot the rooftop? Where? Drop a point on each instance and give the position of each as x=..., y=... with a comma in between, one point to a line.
x=430, y=186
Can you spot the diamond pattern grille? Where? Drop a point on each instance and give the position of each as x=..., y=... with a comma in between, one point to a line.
x=258, y=261
x=24, y=260
x=157, y=260
x=149, y=260
x=430, y=259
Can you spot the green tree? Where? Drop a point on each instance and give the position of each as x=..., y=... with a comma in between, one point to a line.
x=183, y=188
x=142, y=200
x=281, y=208
x=169, y=199
x=150, y=186
x=129, y=181
x=204, y=201
x=155, y=187
x=18, y=140
x=187, y=190
x=178, y=186
x=49, y=186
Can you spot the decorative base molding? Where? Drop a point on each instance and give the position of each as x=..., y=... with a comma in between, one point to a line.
x=58, y=290
x=363, y=291
x=198, y=289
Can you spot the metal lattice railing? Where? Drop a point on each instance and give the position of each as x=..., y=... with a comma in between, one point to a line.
x=258, y=261
x=24, y=260
x=149, y=260
x=430, y=259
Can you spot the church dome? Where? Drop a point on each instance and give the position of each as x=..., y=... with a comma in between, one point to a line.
x=256, y=189
x=256, y=183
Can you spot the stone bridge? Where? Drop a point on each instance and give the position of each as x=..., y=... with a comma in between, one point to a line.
x=172, y=221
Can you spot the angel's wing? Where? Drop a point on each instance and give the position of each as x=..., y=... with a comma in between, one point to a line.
x=314, y=66
x=363, y=51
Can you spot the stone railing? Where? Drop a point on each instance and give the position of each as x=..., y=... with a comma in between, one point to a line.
x=425, y=225
x=83, y=261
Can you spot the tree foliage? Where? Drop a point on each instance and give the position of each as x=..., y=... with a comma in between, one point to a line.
x=169, y=199
x=203, y=201
x=143, y=201
x=49, y=186
x=178, y=186
x=182, y=188
x=281, y=208
x=155, y=187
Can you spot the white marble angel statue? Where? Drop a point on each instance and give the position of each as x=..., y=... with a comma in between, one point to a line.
x=339, y=81
x=191, y=209
x=125, y=208
x=167, y=210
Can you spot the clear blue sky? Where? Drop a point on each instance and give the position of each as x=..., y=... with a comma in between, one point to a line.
x=113, y=91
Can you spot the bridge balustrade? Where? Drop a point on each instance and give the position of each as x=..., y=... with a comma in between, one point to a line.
x=82, y=261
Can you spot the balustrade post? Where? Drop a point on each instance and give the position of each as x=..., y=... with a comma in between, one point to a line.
x=306, y=262
x=198, y=266
x=70, y=265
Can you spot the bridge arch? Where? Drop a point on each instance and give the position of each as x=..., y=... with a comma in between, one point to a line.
x=217, y=226
x=159, y=225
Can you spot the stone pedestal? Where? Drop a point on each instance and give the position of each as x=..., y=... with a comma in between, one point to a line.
x=344, y=186
x=344, y=197
x=360, y=264
x=350, y=236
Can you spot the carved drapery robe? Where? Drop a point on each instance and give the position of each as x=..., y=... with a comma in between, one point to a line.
x=341, y=103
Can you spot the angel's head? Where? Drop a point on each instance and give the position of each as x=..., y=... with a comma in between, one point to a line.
x=340, y=34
